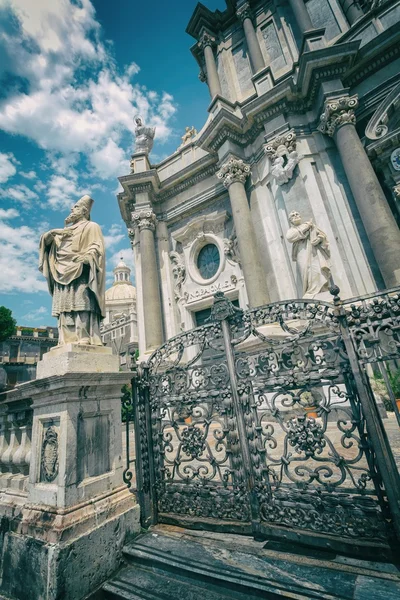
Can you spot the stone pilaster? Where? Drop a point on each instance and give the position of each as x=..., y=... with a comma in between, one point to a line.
x=207, y=43
x=301, y=15
x=338, y=121
x=144, y=222
x=234, y=174
x=256, y=57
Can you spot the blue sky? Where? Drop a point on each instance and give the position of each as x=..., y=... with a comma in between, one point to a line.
x=73, y=74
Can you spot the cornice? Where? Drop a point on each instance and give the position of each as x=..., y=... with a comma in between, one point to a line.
x=205, y=172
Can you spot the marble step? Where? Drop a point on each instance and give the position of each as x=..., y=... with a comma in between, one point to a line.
x=182, y=567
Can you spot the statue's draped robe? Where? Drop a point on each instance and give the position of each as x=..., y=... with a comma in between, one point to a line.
x=313, y=261
x=78, y=289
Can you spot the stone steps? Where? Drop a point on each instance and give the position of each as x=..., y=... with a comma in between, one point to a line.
x=172, y=565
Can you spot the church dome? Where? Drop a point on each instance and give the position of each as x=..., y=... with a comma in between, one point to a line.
x=122, y=288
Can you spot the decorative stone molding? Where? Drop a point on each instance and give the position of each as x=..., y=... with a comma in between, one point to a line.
x=202, y=77
x=231, y=248
x=144, y=219
x=207, y=39
x=337, y=113
x=244, y=12
x=178, y=272
x=284, y=157
x=281, y=145
x=233, y=171
x=378, y=124
x=396, y=191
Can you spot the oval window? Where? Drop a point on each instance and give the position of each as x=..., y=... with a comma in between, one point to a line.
x=208, y=261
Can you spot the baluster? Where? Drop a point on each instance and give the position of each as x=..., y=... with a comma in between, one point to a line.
x=11, y=449
x=21, y=457
x=3, y=445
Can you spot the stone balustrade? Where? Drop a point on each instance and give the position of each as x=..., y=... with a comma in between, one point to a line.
x=15, y=446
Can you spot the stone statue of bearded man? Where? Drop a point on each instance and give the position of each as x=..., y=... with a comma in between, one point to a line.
x=73, y=261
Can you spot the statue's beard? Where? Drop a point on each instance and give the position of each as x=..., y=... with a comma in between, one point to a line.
x=71, y=219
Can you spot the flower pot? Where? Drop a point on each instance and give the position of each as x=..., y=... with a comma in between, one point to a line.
x=311, y=411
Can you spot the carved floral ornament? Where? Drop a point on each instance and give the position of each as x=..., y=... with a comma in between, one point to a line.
x=144, y=219
x=337, y=113
x=284, y=157
x=244, y=12
x=206, y=39
x=233, y=171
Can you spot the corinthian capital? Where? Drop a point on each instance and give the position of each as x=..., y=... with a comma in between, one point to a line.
x=244, y=12
x=233, y=171
x=337, y=113
x=144, y=219
x=206, y=40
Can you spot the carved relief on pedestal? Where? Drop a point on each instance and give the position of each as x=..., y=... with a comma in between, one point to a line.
x=49, y=455
x=337, y=113
x=283, y=156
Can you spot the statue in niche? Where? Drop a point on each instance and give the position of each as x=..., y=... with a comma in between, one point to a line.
x=311, y=253
x=190, y=133
x=284, y=165
x=73, y=261
x=144, y=137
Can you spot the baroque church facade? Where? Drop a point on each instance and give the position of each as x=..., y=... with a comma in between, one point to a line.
x=301, y=144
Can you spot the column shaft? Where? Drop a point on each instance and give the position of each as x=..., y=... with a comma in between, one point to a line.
x=151, y=291
x=301, y=15
x=254, y=276
x=256, y=57
x=212, y=73
x=380, y=225
x=351, y=10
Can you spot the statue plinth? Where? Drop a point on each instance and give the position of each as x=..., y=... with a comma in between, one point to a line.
x=77, y=358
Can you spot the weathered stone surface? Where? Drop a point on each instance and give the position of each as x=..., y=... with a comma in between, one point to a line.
x=75, y=358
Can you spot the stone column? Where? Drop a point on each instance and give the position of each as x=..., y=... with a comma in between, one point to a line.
x=234, y=174
x=301, y=15
x=256, y=57
x=144, y=221
x=338, y=121
x=206, y=43
x=351, y=9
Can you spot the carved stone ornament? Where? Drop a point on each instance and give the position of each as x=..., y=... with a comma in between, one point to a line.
x=178, y=272
x=222, y=307
x=285, y=143
x=235, y=170
x=206, y=40
x=49, y=456
x=202, y=77
x=144, y=137
x=231, y=248
x=337, y=113
x=144, y=219
x=396, y=191
x=244, y=12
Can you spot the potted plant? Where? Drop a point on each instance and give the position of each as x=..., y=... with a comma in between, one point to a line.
x=308, y=402
x=394, y=378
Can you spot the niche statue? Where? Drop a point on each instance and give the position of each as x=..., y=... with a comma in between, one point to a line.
x=311, y=253
x=73, y=261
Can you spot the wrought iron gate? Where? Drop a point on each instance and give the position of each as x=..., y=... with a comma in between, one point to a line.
x=264, y=422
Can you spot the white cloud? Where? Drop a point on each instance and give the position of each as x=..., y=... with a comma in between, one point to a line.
x=19, y=193
x=77, y=102
x=114, y=236
x=7, y=166
x=19, y=259
x=36, y=314
x=28, y=174
x=9, y=213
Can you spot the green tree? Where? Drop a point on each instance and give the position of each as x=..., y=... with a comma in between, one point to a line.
x=7, y=323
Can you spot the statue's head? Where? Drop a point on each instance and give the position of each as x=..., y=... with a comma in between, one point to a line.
x=80, y=211
x=295, y=217
x=138, y=121
x=187, y=128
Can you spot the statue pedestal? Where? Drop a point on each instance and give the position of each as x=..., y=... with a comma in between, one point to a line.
x=64, y=532
x=77, y=358
x=140, y=162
